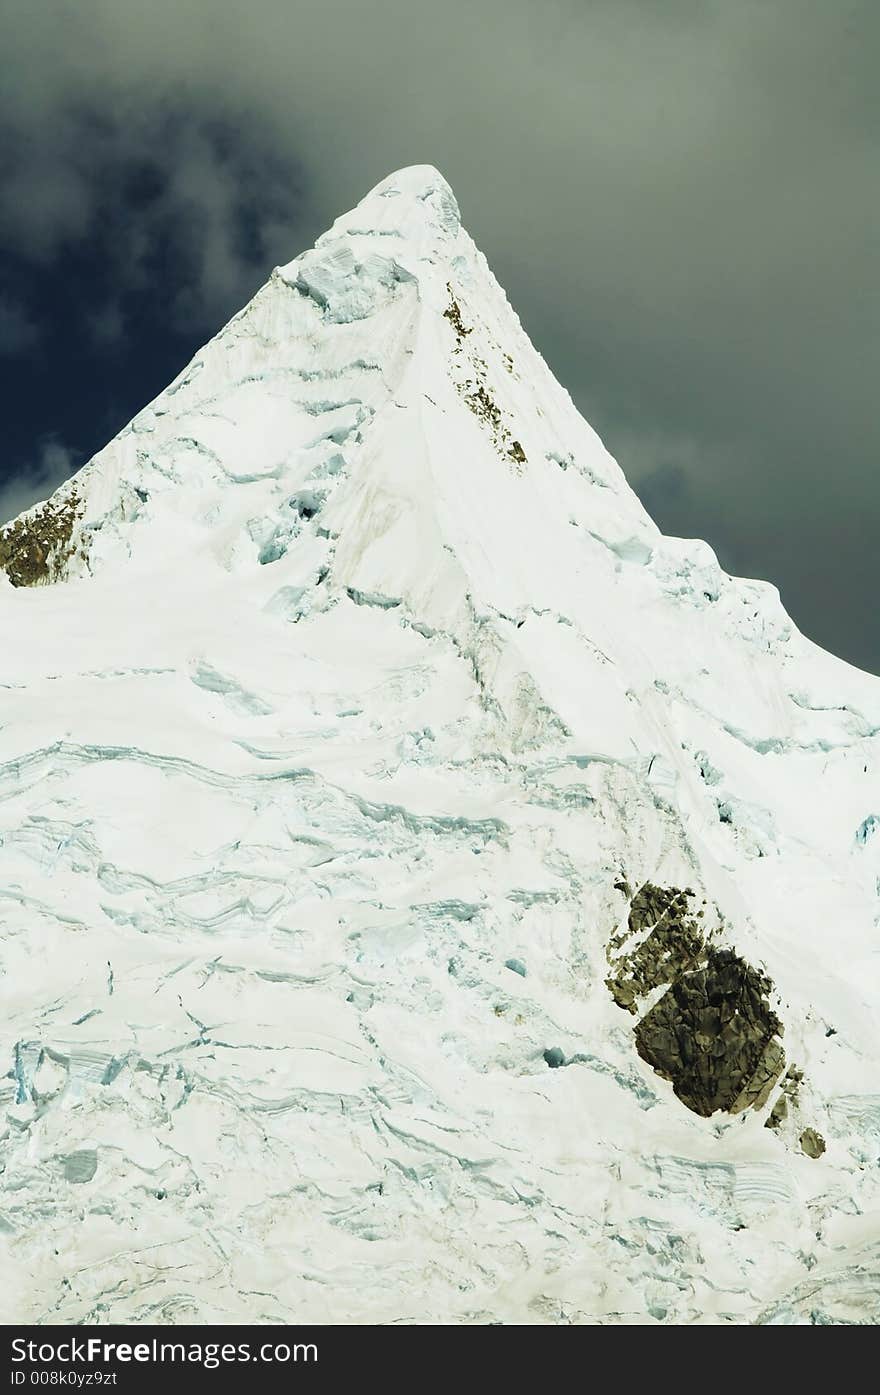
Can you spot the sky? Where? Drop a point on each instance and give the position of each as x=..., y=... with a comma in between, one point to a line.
x=682, y=201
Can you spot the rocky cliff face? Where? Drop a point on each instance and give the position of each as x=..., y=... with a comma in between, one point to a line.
x=411, y=862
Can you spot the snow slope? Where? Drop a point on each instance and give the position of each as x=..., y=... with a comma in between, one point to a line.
x=366, y=678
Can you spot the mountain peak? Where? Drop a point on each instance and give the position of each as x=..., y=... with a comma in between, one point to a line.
x=415, y=189
x=417, y=182
x=414, y=209
x=392, y=813
x=393, y=310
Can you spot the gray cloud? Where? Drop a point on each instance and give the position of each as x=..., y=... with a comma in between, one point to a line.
x=105, y=326
x=19, y=333
x=198, y=185
x=37, y=479
x=679, y=199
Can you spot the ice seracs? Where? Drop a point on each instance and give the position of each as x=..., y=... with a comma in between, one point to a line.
x=355, y=674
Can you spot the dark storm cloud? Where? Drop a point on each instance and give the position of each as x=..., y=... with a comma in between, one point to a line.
x=174, y=184
x=36, y=479
x=19, y=333
x=681, y=200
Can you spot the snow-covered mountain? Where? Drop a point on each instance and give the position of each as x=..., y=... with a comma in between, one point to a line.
x=428, y=893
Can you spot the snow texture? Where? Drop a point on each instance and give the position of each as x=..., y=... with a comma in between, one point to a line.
x=367, y=678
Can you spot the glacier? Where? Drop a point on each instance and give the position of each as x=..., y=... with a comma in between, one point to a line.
x=371, y=768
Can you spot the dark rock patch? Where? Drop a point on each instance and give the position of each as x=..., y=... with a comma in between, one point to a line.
x=476, y=391
x=453, y=314
x=34, y=548
x=812, y=1143
x=675, y=944
x=482, y=406
x=516, y=452
x=712, y=1033
x=788, y=1097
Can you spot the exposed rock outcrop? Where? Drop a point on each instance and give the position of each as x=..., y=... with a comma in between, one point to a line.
x=812, y=1143
x=35, y=547
x=712, y=1033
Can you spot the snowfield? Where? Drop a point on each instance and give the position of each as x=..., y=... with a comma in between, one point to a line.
x=365, y=697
